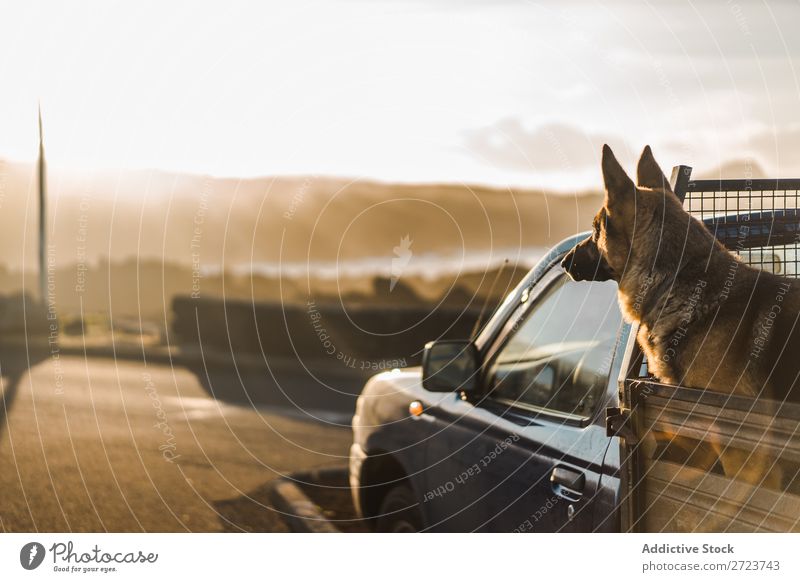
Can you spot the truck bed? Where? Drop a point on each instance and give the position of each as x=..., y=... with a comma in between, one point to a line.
x=707, y=461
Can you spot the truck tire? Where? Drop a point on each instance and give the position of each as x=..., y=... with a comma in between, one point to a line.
x=399, y=512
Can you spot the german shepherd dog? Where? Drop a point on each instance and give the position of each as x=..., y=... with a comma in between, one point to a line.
x=706, y=319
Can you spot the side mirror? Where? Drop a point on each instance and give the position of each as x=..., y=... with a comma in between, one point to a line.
x=450, y=366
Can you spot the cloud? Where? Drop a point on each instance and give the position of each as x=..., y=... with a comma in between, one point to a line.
x=779, y=149
x=548, y=148
x=761, y=152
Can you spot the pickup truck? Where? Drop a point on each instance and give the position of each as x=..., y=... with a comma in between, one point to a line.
x=547, y=420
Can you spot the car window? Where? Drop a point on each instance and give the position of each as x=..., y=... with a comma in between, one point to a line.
x=560, y=353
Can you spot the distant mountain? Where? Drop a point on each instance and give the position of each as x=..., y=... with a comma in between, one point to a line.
x=734, y=169
x=216, y=223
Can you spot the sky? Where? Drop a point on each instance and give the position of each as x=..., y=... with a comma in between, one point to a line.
x=494, y=92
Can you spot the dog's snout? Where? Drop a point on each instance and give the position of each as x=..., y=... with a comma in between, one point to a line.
x=571, y=264
x=584, y=263
x=566, y=262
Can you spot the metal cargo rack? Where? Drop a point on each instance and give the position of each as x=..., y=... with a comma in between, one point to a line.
x=672, y=435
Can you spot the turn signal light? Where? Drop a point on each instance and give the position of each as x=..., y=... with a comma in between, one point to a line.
x=415, y=408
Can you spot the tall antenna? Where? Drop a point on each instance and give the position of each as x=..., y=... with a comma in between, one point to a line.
x=42, y=215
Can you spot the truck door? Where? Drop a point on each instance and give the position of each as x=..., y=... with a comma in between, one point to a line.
x=527, y=455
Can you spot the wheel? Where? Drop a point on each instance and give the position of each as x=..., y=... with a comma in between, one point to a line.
x=399, y=512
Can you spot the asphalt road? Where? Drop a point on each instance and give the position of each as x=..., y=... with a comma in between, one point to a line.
x=119, y=445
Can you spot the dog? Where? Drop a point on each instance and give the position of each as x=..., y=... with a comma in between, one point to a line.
x=706, y=319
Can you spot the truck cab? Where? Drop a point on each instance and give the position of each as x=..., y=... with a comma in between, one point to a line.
x=517, y=440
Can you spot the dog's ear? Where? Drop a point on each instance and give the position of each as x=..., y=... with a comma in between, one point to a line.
x=620, y=189
x=648, y=172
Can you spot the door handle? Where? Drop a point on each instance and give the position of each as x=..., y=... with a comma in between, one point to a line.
x=567, y=483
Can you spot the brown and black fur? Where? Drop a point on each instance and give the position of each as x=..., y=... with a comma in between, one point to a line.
x=706, y=319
